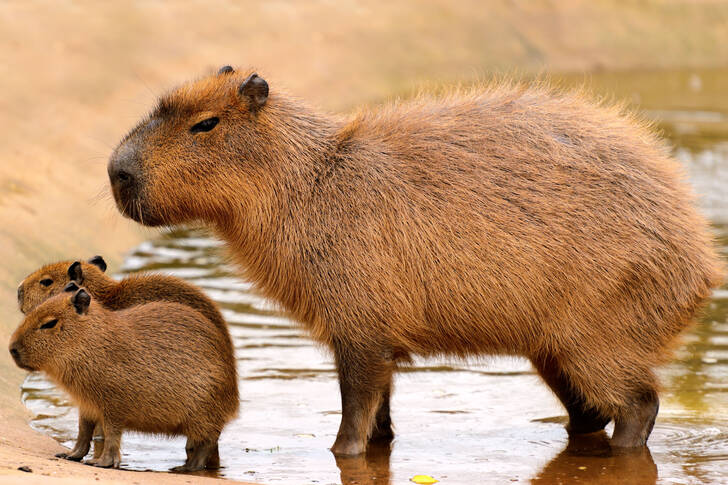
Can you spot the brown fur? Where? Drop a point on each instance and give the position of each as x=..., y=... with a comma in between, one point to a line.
x=157, y=368
x=135, y=289
x=506, y=219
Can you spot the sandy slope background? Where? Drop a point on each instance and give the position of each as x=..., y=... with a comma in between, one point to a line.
x=74, y=76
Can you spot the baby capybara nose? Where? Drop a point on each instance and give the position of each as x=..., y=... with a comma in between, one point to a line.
x=15, y=353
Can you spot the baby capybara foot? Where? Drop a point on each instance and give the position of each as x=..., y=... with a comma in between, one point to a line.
x=71, y=456
x=634, y=427
x=200, y=456
x=105, y=461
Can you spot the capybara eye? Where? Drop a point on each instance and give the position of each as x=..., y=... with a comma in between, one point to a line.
x=205, y=125
x=49, y=324
x=46, y=282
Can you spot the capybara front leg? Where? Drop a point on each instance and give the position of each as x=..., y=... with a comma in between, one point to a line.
x=633, y=426
x=83, y=442
x=382, y=430
x=582, y=418
x=111, y=456
x=363, y=377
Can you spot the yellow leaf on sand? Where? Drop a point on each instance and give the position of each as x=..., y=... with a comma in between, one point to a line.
x=423, y=479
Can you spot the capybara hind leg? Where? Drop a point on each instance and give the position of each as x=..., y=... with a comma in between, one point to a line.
x=200, y=455
x=582, y=418
x=83, y=442
x=382, y=430
x=111, y=456
x=633, y=426
x=363, y=378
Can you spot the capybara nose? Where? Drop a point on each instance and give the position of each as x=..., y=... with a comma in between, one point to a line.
x=15, y=353
x=20, y=295
x=124, y=168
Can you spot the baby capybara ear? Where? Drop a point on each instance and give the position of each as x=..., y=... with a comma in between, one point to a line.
x=70, y=287
x=255, y=88
x=81, y=300
x=225, y=70
x=75, y=272
x=98, y=261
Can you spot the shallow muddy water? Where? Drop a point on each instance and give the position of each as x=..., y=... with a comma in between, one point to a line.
x=482, y=422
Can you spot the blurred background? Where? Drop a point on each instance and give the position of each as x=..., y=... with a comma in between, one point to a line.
x=75, y=76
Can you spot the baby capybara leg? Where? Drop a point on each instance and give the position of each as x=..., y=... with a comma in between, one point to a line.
x=98, y=441
x=363, y=379
x=382, y=430
x=111, y=456
x=201, y=453
x=582, y=417
x=83, y=442
x=633, y=426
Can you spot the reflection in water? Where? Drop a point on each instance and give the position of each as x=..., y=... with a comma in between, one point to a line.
x=369, y=469
x=482, y=422
x=589, y=459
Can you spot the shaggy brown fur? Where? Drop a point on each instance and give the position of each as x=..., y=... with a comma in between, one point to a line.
x=503, y=220
x=157, y=368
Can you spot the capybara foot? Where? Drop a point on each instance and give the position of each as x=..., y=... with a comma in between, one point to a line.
x=200, y=456
x=347, y=447
x=633, y=428
x=71, y=456
x=105, y=461
x=585, y=422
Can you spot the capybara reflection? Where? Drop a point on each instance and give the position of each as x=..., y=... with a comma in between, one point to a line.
x=155, y=367
x=504, y=219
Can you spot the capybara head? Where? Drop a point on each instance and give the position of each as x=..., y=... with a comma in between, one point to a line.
x=51, y=279
x=50, y=330
x=200, y=137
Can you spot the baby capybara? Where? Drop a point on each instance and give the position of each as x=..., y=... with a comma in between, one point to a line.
x=506, y=219
x=155, y=367
x=135, y=289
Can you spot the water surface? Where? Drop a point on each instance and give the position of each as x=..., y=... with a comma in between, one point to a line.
x=490, y=421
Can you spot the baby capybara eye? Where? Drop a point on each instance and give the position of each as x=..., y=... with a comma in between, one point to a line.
x=49, y=324
x=205, y=125
x=46, y=282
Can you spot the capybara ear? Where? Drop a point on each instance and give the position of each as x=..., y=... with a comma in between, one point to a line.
x=255, y=88
x=98, y=261
x=72, y=286
x=225, y=70
x=81, y=300
x=75, y=272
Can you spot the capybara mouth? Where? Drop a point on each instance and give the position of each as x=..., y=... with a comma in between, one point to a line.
x=133, y=209
x=19, y=362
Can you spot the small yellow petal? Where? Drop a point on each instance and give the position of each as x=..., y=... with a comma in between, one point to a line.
x=423, y=479
x=582, y=468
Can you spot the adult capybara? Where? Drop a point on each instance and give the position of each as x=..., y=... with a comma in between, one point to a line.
x=506, y=219
x=156, y=367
